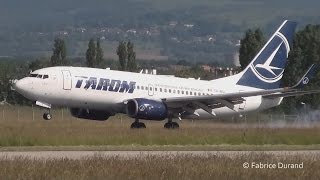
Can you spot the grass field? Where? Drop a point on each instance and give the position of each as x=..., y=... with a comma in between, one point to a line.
x=22, y=129
x=153, y=167
x=22, y=126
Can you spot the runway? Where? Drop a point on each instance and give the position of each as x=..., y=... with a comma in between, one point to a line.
x=47, y=155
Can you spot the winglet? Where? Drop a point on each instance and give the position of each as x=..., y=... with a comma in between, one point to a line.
x=307, y=76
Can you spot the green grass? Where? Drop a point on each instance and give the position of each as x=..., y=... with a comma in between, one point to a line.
x=155, y=167
x=21, y=129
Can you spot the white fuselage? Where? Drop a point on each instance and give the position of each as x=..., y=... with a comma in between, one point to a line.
x=69, y=87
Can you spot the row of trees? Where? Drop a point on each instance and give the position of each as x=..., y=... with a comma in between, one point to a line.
x=94, y=55
x=305, y=51
x=16, y=69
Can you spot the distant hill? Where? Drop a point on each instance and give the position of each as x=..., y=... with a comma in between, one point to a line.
x=28, y=27
x=48, y=13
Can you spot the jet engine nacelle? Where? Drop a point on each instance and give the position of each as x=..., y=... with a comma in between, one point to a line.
x=89, y=114
x=146, y=109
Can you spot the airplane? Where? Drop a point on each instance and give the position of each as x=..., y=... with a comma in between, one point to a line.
x=97, y=94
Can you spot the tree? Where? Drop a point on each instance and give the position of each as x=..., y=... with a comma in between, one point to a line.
x=99, y=56
x=122, y=54
x=249, y=46
x=59, y=55
x=305, y=51
x=131, y=63
x=91, y=54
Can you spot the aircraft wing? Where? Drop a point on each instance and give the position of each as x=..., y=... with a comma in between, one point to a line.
x=225, y=96
x=210, y=102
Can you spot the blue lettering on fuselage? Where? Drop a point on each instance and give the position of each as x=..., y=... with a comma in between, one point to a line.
x=92, y=82
x=104, y=84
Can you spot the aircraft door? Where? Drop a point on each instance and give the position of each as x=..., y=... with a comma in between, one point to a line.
x=150, y=90
x=67, y=80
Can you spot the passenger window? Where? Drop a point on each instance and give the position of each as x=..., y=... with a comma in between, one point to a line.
x=182, y=92
x=160, y=89
x=150, y=88
x=169, y=90
x=155, y=89
x=195, y=93
x=33, y=75
x=186, y=92
x=178, y=91
x=138, y=87
x=142, y=87
x=199, y=94
x=165, y=90
x=45, y=77
x=39, y=76
x=174, y=91
x=146, y=88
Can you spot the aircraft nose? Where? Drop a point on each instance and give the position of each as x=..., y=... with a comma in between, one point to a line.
x=21, y=85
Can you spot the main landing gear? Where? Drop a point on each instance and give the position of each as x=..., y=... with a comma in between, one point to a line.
x=137, y=125
x=47, y=115
x=170, y=124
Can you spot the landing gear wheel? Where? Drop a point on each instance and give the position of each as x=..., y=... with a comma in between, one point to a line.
x=171, y=125
x=142, y=125
x=47, y=116
x=167, y=125
x=175, y=125
x=137, y=125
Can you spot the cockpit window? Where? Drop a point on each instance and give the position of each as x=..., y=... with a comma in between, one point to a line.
x=40, y=76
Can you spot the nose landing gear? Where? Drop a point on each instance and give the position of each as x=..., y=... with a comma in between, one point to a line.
x=47, y=116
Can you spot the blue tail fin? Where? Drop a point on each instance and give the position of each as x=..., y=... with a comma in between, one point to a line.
x=266, y=69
